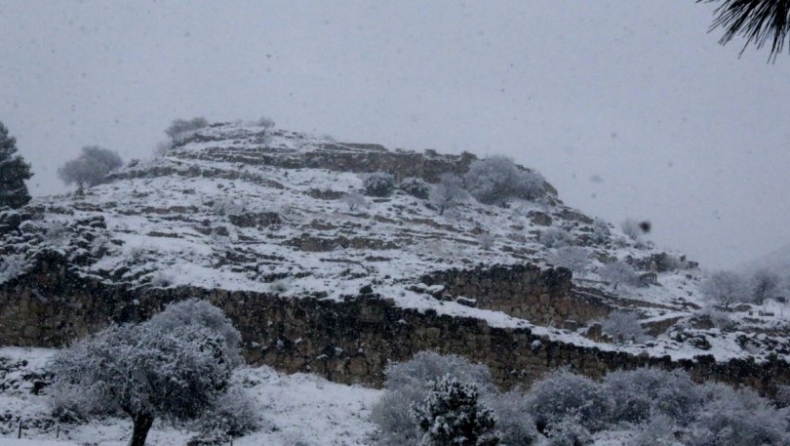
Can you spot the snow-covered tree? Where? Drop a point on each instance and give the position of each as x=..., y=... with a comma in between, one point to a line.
x=495, y=179
x=641, y=394
x=563, y=396
x=619, y=272
x=409, y=382
x=90, y=168
x=575, y=258
x=180, y=128
x=378, y=184
x=14, y=171
x=451, y=415
x=175, y=366
x=623, y=327
x=763, y=284
x=726, y=288
x=737, y=418
x=448, y=192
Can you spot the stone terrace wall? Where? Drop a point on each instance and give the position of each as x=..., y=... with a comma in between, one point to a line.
x=525, y=291
x=349, y=342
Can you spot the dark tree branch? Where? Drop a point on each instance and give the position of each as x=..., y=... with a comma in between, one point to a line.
x=758, y=21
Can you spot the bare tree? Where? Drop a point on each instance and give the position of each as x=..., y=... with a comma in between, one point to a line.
x=448, y=193
x=726, y=288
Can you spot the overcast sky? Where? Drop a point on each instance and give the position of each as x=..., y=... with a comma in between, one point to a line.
x=630, y=108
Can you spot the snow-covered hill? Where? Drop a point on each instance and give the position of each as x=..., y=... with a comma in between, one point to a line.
x=236, y=207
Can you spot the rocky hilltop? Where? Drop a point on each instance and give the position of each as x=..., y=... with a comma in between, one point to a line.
x=271, y=225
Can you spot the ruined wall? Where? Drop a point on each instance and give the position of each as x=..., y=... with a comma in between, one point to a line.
x=525, y=291
x=349, y=342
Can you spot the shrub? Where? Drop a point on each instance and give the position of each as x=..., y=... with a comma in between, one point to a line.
x=574, y=258
x=448, y=193
x=409, y=382
x=638, y=395
x=90, y=168
x=632, y=229
x=495, y=179
x=569, y=432
x=601, y=232
x=355, y=201
x=725, y=288
x=415, y=187
x=658, y=431
x=619, y=272
x=233, y=415
x=554, y=238
x=516, y=427
x=265, y=122
x=623, y=328
x=737, y=418
x=378, y=184
x=451, y=415
x=179, y=129
x=565, y=397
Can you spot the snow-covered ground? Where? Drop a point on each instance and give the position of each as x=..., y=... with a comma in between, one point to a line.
x=297, y=410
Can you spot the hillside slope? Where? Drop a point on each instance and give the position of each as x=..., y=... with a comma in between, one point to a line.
x=248, y=209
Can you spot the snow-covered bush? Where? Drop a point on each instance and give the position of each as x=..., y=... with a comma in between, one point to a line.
x=554, y=237
x=568, y=432
x=447, y=193
x=451, y=415
x=409, y=382
x=486, y=240
x=415, y=187
x=575, y=258
x=516, y=427
x=737, y=418
x=638, y=395
x=174, y=366
x=355, y=201
x=233, y=415
x=378, y=184
x=265, y=122
x=11, y=266
x=619, y=272
x=180, y=128
x=623, y=328
x=601, y=231
x=632, y=229
x=658, y=431
x=495, y=179
x=563, y=396
x=726, y=288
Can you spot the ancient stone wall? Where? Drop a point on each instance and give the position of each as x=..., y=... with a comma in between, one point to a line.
x=350, y=341
x=544, y=297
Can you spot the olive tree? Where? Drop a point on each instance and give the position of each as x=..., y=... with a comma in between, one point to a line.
x=176, y=366
x=90, y=168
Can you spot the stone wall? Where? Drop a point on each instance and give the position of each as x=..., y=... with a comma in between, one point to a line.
x=544, y=297
x=350, y=341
